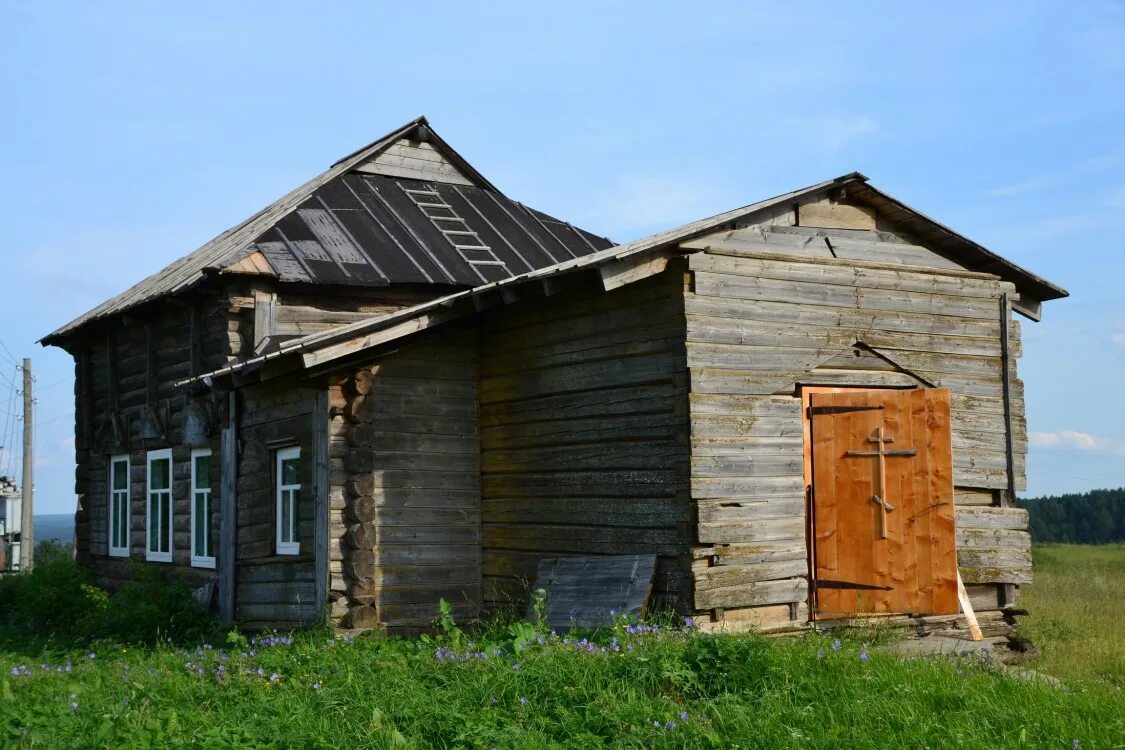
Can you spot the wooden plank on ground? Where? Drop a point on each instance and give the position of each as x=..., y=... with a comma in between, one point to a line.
x=590, y=591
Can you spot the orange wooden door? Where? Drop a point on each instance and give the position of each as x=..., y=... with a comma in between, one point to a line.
x=882, y=524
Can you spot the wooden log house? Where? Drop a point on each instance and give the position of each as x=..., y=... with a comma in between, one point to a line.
x=414, y=388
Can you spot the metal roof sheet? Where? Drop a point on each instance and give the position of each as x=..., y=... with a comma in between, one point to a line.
x=351, y=227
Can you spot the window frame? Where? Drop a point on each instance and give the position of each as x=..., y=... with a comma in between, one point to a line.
x=286, y=547
x=150, y=554
x=111, y=515
x=202, y=561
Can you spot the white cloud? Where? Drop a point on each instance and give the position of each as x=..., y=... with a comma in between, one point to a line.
x=1091, y=165
x=1074, y=440
x=1020, y=188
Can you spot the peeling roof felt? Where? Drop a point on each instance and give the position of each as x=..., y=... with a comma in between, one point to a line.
x=355, y=225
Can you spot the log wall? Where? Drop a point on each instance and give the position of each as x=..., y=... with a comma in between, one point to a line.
x=272, y=590
x=770, y=308
x=124, y=371
x=405, y=526
x=583, y=435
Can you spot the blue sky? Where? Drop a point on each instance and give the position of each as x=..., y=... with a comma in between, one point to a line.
x=134, y=133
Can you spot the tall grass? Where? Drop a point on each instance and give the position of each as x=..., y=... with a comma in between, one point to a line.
x=513, y=685
x=640, y=689
x=1077, y=611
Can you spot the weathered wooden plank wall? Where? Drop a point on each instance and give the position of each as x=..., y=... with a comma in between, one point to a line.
x=772, y=306
x=583, y=435
x=405, y=527
x=273, y=590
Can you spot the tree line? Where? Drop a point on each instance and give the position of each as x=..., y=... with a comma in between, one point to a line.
x=1095, y=517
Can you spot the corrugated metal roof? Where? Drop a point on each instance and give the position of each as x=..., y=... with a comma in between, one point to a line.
x=351, y=227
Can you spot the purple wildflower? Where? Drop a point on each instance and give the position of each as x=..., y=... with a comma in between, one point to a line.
x=689, y=622
x=316, y=686
x=15, y=671
x=523, y=701
x=670, y=726
x=516, y=667
x=836, y=644
x=74, y=705
x=863, y=655
x=274, y=677
x=684, y=716
x=820, y=653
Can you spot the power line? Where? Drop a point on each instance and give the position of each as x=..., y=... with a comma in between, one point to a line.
x=11, y=357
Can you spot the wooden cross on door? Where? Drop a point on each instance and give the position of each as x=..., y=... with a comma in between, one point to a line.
x=881, y=440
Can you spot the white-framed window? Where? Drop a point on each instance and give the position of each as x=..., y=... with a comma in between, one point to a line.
x=202, y=540
x=118, y=529
x=288, y=483
x=158, y=507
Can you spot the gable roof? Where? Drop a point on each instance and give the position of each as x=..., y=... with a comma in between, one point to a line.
x=406, y=208
x=617, y=265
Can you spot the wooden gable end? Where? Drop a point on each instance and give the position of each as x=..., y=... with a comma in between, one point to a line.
x=821, y=227
x=415, y=160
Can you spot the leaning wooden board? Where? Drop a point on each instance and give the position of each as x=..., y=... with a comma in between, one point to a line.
x=589, y=592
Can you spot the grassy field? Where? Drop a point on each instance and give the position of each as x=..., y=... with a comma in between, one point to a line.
x=668, y=688
x=632, y=686
x=1077, y=606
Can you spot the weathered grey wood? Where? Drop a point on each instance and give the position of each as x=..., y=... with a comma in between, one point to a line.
x=753, y=594
x=732, y=531
x=849, y=275
x=416, y=161
x=991, y=518
x=721, y=576
x=227, y=502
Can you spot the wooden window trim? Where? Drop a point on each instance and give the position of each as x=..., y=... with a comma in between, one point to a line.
x=112, y=510
x=286, y=547
x=201, y=561
x=150, y=554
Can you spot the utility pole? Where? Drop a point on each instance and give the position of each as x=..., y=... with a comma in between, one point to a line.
x=27, y=536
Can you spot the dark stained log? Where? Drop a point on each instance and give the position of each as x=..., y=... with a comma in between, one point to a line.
x=320, y=495
x=229, y=476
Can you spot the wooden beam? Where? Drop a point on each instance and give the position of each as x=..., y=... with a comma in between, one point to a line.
x=618, y=273
x=359, y=343
x=195, y=339
x=111, y=368
x=150, y=365
x=265, y=317
x=967, y=608
x=1030, y=308
x=320, y=489
x=1006, y=383
x=227, y=504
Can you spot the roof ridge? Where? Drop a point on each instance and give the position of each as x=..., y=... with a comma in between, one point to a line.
x=231, y=240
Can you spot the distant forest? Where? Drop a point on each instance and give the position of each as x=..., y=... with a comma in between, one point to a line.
x=1095, y=517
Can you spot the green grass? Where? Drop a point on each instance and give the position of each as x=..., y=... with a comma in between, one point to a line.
x=735, y=691
x=1077, y=611
x=666, y=688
